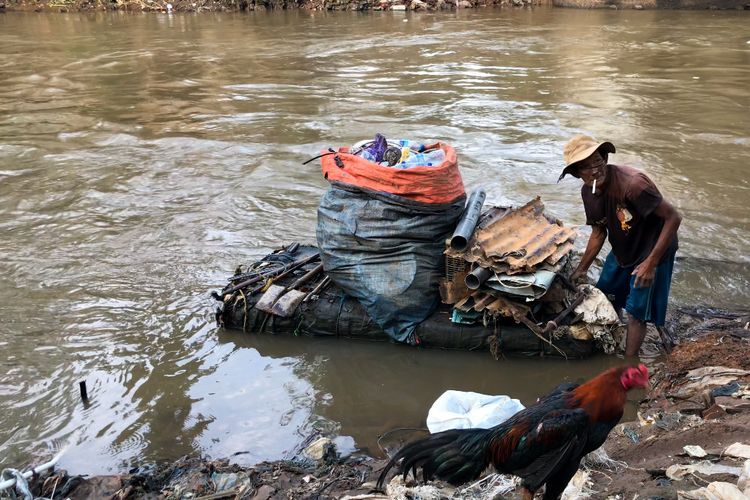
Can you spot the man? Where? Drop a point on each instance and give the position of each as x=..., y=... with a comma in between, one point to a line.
x=624, y=204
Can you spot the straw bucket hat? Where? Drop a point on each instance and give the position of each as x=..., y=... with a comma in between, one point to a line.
x=579, y=148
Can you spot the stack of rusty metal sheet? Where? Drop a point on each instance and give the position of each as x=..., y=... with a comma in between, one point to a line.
x=518, y=240
x=506, y=243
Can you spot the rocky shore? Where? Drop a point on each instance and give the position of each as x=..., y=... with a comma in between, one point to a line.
x=691, y=439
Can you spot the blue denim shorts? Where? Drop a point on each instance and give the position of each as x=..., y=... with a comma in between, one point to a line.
x=645, y=303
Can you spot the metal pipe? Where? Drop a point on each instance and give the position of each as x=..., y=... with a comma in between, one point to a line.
x=468, y=221
x=478, y=276
x=277, y=273
x=555, y=323
x=318, y=288
x=12, y=482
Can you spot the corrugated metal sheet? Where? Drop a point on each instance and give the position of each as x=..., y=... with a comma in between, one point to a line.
x=519, y=240
x=495, y=304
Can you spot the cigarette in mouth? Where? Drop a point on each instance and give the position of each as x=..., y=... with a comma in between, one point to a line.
x=593, y=188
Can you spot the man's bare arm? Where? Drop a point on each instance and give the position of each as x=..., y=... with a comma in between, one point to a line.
x=594, y=246
x=645, y=271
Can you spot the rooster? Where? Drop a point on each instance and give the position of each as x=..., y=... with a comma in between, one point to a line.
x=543, y=444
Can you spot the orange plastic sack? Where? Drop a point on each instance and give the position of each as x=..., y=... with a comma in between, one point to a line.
x=441, y=184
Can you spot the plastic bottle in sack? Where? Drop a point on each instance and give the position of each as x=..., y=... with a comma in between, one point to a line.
x=368, y=156
x=414, y=146
x=427, y=159
x=405, y=154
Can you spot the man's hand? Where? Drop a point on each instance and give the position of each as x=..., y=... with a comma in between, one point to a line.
x=596, y=241
x=577, y=275
x=644, y=274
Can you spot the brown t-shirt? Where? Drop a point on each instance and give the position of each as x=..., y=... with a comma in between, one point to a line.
x=626, y=209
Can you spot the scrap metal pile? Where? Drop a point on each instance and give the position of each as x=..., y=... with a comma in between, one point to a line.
x=512, y=264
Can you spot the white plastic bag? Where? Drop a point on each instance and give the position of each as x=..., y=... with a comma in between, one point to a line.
x=466, y=410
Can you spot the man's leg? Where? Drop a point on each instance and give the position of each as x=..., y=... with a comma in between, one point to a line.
x=614, y=281
x=636, y=334
x=647, y=304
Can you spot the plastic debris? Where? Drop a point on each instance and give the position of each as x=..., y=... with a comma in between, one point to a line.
x=726, y=390
x=490, y=487
x=596, y=308
x=647, y=421
x=714, y=491
x=678, y=471
x=707, y=377
x=401, y=154
x=432, y=158
x=633, y=435
x=226, y=482
x=579, y=487
x=743, y=482
x=465, y=317
x=738, y=450
x=319, y=449
x=694, y=451
x=716, y=371
x=21, y=485
x=721, y=490
x=466, y=410
x=527, y=285
x=598, y=317
x=397, y=490
x=599, y=459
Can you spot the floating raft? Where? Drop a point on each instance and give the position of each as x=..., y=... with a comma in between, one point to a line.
x=332, y=313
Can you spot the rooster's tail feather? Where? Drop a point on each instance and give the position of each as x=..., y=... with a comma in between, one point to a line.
x=450, y=455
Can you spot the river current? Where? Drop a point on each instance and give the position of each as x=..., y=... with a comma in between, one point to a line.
x=142, y=157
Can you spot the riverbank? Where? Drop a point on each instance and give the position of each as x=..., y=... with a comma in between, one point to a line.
x=171, y=6
x=254, y=5
x=698, y=405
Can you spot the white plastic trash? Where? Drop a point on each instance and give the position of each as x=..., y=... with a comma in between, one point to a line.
x=466, y=410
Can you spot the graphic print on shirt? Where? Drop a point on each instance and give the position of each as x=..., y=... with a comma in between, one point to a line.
x=624, y=216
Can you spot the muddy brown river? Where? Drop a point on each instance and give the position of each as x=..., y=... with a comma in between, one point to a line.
x=142, y=157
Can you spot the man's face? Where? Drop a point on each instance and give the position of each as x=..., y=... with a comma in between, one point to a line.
x=593, y=167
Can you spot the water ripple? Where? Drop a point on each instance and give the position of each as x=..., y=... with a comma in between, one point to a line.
x=143, y=157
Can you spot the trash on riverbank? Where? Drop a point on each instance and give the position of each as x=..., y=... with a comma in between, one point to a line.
x=720, y=490
x=679, y=471
x=695, y=406
x=195, y=477
x=738, y=450
x=465, y=410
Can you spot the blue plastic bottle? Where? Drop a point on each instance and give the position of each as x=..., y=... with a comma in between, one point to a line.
x=414, y=146
x=427, y=159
